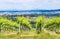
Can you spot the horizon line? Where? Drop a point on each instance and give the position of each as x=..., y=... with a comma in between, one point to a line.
x=42, y=10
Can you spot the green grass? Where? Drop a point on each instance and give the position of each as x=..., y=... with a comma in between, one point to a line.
x=37, y=36
x=47, y=36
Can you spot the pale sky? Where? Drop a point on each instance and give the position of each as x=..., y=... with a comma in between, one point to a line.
x=29, y=4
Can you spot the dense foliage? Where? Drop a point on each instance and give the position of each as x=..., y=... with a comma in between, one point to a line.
x=53, y=24
x=22, y=23
x=39, y=23
x=6, y=24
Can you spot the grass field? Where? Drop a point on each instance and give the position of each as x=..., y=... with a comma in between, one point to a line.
x=30, y=35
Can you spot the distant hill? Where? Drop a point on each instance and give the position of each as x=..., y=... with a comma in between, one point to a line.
x=55, y=10
x=32, y=13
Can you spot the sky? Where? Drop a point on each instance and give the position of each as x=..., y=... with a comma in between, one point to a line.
x=29, y=4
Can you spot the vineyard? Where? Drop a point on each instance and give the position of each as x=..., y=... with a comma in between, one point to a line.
x=26, y=25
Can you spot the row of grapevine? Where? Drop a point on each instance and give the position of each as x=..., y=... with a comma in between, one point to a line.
x=53, y=24
x=39, y=24
x=6, y=24
x=19, y=25
x=23, y=24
